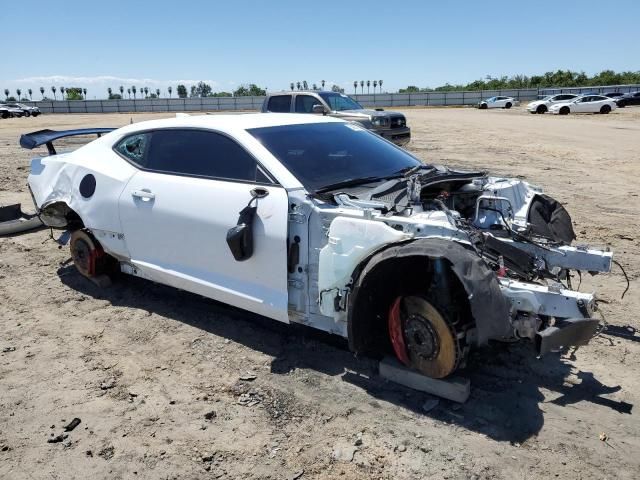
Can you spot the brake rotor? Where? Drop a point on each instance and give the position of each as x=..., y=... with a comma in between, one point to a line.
x=422, y=338
x=84, y=253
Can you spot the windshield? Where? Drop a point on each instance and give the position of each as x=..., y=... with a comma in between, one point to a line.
x=323, y=154
x=339, y=101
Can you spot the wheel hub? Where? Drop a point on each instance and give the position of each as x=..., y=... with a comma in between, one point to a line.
x=421, y=338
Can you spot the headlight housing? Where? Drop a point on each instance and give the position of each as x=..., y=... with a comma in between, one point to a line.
x=380, y=121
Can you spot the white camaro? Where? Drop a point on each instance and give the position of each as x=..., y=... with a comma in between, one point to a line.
x=498, y=102
x=318, y=221
x=585, y=104
x=542, y=105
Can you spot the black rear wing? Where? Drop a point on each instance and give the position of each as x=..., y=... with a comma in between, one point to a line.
x=42, y=137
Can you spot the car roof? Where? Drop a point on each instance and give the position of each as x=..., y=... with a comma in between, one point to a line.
x=229, y=122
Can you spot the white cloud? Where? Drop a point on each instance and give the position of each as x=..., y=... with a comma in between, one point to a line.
x=96, y=85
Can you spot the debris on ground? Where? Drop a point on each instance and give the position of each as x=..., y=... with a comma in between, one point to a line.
x=344, y=453
x=296, y=475
x=106, y=385
x=57, y=438
x=210, y=415
x=73, y=424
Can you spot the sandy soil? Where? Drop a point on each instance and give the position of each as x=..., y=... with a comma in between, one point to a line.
x=171, y=385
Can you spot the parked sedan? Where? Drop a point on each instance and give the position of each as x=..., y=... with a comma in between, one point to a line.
x=26, y=109
x=314, y=220
x=4, y=112
x=631, y=98
x=498, y=102
x=585, y=104
x=542, y=105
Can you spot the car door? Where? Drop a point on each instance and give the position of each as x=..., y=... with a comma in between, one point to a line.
x=305, y=103
x=582, y=105
x=177, y=210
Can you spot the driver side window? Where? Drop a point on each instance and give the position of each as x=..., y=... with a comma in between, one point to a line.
x=305, y=103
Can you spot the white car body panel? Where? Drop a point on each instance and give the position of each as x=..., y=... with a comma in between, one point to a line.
x=188, y=248
x=585, y=104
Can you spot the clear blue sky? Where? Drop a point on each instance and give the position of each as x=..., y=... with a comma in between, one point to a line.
x=155, y=43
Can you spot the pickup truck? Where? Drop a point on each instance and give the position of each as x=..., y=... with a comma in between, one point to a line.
x=389, y=125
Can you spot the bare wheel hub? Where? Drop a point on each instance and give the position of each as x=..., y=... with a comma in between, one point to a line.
x=421, y=338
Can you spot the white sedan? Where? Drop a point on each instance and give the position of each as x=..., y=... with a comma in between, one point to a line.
x=498, y=102
x=542, y=105
x=313, y=220
x=585, y=104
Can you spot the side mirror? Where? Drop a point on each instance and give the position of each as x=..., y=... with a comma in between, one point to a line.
x=240, y=237
x=317, y=108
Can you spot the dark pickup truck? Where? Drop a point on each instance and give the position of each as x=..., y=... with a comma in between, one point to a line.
x=389, y=125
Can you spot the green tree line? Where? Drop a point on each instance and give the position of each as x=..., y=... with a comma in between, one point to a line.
x=559, y=78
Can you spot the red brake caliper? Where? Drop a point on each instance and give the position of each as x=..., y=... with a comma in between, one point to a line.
x=395, y=332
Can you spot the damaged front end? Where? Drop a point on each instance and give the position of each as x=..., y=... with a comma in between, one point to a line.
x=507, y=245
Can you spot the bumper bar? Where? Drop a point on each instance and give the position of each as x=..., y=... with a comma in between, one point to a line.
x=570, y=332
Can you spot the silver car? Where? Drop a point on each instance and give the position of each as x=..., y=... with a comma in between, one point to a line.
x=389, y=125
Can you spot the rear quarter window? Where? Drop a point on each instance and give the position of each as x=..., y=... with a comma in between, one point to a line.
x=279, y=104
x=134, y=148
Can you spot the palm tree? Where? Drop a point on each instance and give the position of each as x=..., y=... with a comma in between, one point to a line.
x=380, y=83
x=6, y=93
x=298, y=85
x=322, y=83
x=62, y=92
x=158, y=92
x=129, y=92
x=305, y=85
x=362, y=86
x=169, y=89
x=375, y=84
x=315, y=87
x=368, y=85
x=121, y=91
x=292, y=86
x=109, y=90
x=53, y=89
x=42, y=92
x=84, y=92
x=30, y=93
x=134, y=90
x=146, y=92
x=355, y=87
x=19, y=92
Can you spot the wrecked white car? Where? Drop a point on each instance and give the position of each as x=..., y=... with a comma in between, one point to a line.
x=317, y=221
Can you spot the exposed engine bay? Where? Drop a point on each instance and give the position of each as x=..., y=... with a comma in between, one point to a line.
x=521, y=234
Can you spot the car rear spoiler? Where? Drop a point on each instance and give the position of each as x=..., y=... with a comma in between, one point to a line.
x=42, y=137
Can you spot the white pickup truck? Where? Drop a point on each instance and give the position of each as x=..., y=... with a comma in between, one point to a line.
x=314, y=220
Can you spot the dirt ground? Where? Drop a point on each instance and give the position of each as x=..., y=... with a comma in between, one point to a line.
x=169, y=385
